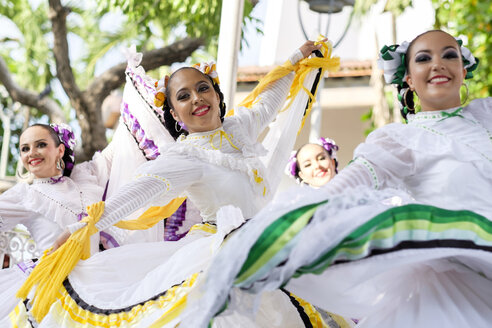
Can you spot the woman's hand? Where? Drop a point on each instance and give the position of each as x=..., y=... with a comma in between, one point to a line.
x=308, y=47
x=60, y=241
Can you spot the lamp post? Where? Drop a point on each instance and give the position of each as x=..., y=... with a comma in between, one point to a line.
x=322, y=7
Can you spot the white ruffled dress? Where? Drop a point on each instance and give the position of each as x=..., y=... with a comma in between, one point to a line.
x=46, y=208
x=402, y=237
x=146, y=285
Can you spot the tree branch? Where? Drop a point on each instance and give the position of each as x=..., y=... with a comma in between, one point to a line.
x=46, y=105
x=114, y=77
x=90, y=119
x=58, y=16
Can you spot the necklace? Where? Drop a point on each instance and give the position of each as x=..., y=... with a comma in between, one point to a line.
x=80, y=214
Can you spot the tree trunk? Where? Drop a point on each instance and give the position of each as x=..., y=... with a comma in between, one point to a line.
x=87, y=104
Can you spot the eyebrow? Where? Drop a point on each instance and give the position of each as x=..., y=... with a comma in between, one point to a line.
x=196, y=84
x=25, y=144
x=428, y=51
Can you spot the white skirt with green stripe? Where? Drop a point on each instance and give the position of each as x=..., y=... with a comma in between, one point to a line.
x=370, y=255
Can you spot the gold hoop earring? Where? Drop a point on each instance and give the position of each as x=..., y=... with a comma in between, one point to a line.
x=405, y=99
x=466, y=98
x=60, y=165
x=176, y=127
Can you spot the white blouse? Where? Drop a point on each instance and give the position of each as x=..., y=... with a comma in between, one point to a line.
x=441, y=158
x=46, y=207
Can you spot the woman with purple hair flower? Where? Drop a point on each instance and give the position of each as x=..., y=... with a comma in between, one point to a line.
x=314, y=164
x=57, y=196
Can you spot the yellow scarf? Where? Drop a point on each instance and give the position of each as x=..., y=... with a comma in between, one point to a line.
x=52, y=269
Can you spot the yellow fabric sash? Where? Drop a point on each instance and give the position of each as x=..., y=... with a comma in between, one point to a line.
x=150, y=217
x=52, y=269
x=301, y=69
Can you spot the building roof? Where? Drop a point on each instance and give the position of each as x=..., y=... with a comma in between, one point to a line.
x=348, y=68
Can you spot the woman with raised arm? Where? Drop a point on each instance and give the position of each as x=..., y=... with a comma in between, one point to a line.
x=402, y=237
x=216, y=161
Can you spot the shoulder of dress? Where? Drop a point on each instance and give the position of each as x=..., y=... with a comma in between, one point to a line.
x=482, y=105
x=19, y=187
x=388, y=130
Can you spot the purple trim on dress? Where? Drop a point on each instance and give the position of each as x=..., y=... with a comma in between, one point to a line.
x=146, y=90
x=105, y=191
x=108, y=241
x=148, y=146
x=173, y=223
x=26, y=266
x=81, y=215
x=56, y=180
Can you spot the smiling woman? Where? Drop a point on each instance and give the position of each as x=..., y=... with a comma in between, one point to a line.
x=314, y=164
x=436, y=71
x=42, y=151
x=196, y=104
x=57, y=197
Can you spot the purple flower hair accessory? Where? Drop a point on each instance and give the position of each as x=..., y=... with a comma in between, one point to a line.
x=330, y=146
x=65, y=134
x=291, y=167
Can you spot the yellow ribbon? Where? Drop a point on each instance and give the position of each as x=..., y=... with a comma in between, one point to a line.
x=301, y=69
x=52, y=269
x=151, y=216
x=257, y=178
x=221, y=134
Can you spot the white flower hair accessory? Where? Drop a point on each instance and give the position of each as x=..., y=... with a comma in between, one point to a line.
x=469, y=61
x=160, y=91
x=392, y=61
x=208, y=69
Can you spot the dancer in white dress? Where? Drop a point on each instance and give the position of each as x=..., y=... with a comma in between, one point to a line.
x=57, y=197
x=61, y=191
x=402, y=237
x=217, y=162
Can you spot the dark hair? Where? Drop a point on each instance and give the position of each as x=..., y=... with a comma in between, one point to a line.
x=408, y=97
x=67, y=155
x=170, y=122
x=297, y=168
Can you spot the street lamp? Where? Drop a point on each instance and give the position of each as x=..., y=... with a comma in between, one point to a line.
x=328, y=7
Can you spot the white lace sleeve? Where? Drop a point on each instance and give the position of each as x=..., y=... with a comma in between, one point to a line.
x=164, y=179
x=386, y=158
x=270, y=101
